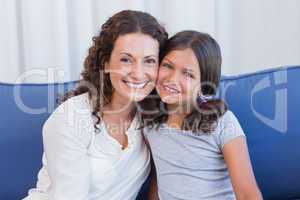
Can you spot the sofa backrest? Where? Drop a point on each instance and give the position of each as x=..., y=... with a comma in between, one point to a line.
x=24, y=108
x=266, y=104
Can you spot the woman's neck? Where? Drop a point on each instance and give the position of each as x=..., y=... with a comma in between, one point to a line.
x=119, y=106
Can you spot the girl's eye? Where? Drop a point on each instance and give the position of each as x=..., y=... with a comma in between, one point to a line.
x=151, y=61
x=166, y=65
x=189, y=75
x=125, y=60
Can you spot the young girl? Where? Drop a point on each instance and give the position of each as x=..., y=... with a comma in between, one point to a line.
x=198, y=146
x=93, y=149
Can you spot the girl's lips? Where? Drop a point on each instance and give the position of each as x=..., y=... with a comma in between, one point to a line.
x=171, y=89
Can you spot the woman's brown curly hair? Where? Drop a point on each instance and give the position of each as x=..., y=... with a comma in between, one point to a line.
x=94, y=80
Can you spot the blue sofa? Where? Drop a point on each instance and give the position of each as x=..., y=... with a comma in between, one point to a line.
x=266, y=104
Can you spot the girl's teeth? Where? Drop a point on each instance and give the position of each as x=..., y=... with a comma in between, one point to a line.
x=171, y=90
x=138, y=86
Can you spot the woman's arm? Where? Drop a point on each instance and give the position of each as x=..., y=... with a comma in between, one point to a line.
x=237, y=159
x=67, y=161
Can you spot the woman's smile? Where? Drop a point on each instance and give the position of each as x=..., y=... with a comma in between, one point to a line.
x=136, y=84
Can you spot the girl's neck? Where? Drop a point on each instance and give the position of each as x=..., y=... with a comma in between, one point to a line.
x=176, y=116
x=180, y=110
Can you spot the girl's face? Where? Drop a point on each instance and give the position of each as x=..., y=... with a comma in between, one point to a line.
x=179, y=78
x=133, y=66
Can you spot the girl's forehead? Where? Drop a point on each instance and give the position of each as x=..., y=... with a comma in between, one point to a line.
x=182, y=58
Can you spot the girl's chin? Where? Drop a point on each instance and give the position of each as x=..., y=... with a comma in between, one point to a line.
x=170, y=100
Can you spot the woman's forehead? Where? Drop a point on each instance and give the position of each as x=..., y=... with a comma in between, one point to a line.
x=136, y=44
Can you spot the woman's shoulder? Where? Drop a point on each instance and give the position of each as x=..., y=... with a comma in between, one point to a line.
x=75, y=103
x=72, y=118
x=71, y=112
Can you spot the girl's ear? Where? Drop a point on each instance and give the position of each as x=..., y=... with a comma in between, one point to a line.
x=106, y=68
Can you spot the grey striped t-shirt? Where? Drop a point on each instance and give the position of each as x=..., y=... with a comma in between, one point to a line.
x=191, y=166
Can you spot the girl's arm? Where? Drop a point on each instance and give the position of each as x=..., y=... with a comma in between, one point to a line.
x=239, y=166
x=153, y=194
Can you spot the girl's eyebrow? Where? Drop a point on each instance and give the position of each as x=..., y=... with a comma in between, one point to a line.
x=188, y=70
x=185, y=68
x=165, y=58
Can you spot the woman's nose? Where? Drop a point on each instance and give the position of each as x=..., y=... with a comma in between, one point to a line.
x=138, y=71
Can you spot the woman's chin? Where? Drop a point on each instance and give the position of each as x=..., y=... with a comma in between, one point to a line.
x=135, y=96
x=138, y=98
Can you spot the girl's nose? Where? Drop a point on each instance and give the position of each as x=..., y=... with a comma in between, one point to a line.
x=174, y=77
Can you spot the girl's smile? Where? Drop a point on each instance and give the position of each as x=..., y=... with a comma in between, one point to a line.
x=171, y=88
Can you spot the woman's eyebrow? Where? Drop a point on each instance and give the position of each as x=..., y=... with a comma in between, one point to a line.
x=128, y=54
x=155, y=56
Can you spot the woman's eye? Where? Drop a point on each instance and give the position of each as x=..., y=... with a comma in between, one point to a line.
x=151, y=61
x=126, y=60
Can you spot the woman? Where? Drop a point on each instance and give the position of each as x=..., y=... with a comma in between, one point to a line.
x=93, y=146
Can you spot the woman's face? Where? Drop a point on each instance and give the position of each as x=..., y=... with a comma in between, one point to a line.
x=133, y=66
x=179, y=77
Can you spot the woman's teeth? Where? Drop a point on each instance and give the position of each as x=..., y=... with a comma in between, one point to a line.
x=136, y=85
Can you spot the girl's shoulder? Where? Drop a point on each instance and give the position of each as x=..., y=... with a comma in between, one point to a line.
x=153, y=129
x=228, y=128
x=228, y=119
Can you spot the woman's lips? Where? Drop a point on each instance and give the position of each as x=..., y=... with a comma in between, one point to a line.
x=136, y=85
